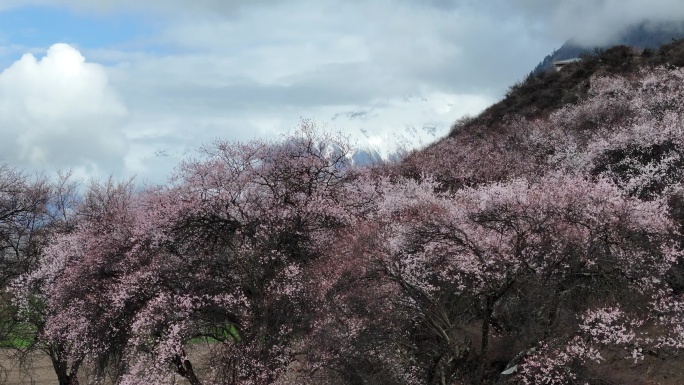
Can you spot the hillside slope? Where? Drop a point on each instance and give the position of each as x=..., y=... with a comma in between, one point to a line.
x=616, y=118
x=551, y=113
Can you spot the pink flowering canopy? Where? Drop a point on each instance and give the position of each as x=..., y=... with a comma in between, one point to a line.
x=220, y=255
x=532, y=251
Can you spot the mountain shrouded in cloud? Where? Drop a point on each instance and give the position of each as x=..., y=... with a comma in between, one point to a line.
x=390, y=128
x=60, y=111
x=641, y=36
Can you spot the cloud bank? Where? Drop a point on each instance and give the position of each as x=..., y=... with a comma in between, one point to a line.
x=597, y=22
x=243, y=69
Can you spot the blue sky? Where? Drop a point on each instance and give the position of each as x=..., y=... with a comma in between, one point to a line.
x=36, y=26
x=124, y=87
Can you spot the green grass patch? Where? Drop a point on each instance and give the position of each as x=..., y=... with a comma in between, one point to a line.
x=17, y=336
x=216, y=334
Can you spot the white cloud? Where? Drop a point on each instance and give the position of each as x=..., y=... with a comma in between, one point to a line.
x=245, y=69
x=60, y=112
x=257, y=75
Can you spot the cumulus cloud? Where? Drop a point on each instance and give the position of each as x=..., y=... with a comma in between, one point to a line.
x=59, y=111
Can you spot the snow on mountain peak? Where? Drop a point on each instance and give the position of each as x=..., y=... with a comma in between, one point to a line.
x=386, y=129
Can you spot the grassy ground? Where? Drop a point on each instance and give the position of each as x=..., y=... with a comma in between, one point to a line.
x=37, y=370
x=650, y=371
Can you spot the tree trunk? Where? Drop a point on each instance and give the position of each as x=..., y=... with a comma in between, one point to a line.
x=484, y=343
x=553, y=313
x=66, y=374
x=185, y=370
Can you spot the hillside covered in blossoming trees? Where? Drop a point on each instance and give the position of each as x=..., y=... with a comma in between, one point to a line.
x=540, y=243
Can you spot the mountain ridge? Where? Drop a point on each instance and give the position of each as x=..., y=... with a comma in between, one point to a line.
x=456, y=160
x=642, y=36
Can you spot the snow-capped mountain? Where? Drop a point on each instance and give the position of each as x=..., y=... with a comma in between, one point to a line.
x=388, y=129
